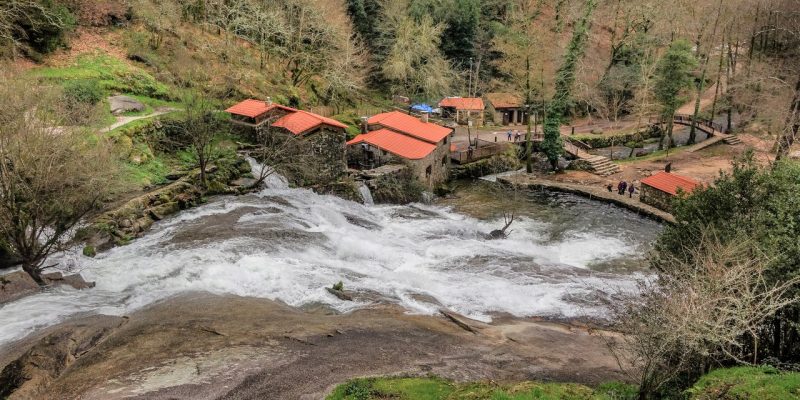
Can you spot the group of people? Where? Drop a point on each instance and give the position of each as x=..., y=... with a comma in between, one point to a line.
x=622, y=187
x=515, y=134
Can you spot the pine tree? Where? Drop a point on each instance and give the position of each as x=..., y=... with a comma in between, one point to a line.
x=552, y=146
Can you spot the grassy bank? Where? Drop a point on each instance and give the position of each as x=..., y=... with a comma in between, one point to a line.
x=722, y=384
x=439, y=389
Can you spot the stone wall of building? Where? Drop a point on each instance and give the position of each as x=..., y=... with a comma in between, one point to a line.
x=439, y=163
x=656, y=198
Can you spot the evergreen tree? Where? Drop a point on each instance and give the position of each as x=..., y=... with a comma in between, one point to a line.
x=460, y=36
x=673, y=76
x=552, y=146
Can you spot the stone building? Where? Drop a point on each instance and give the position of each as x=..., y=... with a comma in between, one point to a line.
x=398, y=138
x=505, y=108
x=463, y=109
x=324, y=137
x=658, y=190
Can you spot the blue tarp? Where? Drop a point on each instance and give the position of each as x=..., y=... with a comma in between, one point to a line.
x=422, y=107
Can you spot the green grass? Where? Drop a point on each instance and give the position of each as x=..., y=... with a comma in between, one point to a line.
x=747, y=383
x=433, y=388
x=655, y=155
x=110, y=73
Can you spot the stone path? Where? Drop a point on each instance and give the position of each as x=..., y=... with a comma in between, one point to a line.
x=598, y=192
x=122, y=120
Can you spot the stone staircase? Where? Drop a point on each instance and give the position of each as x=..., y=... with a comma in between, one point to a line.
x=602, y=166
x=732, y=140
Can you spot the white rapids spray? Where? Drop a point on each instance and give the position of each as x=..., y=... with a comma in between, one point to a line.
x=289, y=244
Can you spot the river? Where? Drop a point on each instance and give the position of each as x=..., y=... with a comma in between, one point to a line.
x=565, y=257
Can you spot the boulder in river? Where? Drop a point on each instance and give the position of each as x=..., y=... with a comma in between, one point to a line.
x=123, y=104
x=15, y=285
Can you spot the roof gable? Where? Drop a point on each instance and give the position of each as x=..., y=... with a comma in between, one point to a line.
x=300, y=122
x=670, y=183
x=409, y=125
x=295, y=121
x=396, y=143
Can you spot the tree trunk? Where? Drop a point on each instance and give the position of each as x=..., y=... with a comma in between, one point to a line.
x=529, y=146
x=786, y=139
x=34, y=273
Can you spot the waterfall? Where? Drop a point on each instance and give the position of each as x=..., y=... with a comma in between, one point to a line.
x=366, y=194
x=289, y=244
x=273, y=181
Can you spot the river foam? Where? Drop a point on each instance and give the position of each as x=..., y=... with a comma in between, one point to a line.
x=289, y=244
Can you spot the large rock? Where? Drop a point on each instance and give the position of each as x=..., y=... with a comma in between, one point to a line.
x=16, y=285
x=123, y=104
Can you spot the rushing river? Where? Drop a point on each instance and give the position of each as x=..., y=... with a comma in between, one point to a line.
x=564, y=258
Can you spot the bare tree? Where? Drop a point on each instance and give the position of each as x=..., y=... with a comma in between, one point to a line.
x=32, y=12
x=198, y=129
x=697, y=314
x=278, y=152
x=51, y=175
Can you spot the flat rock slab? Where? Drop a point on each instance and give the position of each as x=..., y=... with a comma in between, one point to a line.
x=201, y=346
x=123, y=104
x=16, y=285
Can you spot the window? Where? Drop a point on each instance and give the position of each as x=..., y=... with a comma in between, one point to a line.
x=445, y=140
x=444, y=160
x=383, y=152
x=428, y=171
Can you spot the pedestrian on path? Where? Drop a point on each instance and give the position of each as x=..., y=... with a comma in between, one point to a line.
x=631, y=189
x=516, y=135
x=610, y=187
x=621, y=188
x=509, y=135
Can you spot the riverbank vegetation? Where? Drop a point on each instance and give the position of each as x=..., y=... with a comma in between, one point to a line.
x=733, y=383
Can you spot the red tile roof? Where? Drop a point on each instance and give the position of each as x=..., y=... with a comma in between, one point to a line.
x=670, y=183
x=407, y=124
x=463, y=103
x=396, y=143
x=296, y=121
x=253, y=108
x=300, y=122
x=504, y=100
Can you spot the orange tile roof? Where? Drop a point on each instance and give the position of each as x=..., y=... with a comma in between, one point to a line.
x=396, y=143
x=670, y=183
x=404, y=123
x=504, y=100
x=252, y=108
x=301, y=121
x=296, y=121
x=463, y=103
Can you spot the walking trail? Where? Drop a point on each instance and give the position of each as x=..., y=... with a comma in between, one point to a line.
x=125, y=120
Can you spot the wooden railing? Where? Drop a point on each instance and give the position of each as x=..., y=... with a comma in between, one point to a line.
x=706, y=125
x=483, y=150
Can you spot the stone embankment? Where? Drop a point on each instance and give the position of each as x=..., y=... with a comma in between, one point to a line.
x=136, y=216
x=532, y=182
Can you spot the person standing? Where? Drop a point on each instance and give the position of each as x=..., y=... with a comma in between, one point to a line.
x=609, y=187
x=509, y=135
x=631, y=189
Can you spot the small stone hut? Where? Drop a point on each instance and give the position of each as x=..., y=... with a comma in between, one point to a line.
x=658, y=190
x=326, y=136
x=505, y=108
x=398, y=138
x=463, y=109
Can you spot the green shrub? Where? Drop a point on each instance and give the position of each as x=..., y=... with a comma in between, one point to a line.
x=339, y=286
x=89, y=251
x=747, y=383
x=83, y=91
x=399, y=188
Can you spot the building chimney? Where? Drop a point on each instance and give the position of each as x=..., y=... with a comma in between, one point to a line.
x=269, y=101
x=364, y=125
x=424, y=117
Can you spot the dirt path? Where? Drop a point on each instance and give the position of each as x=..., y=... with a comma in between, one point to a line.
x=202, y=346
x=125, y=120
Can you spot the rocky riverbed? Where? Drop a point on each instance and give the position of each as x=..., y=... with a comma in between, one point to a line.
x=203, y=346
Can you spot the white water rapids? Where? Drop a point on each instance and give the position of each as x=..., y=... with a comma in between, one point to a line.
x=289, y=244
